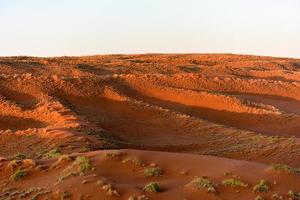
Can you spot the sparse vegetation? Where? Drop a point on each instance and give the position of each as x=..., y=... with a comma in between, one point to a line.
x=261, y=186
x=273, y=139
x=294, y=195
x=204, y=183
x=277, y=197
x=138, y=197
x=259, y=198
x=80, y=166
x=234, y=182
x=133, y=161
x=54, y=153
x=112, y=154
x=108, y=188
x=284, y=168
x=152, y=187
x=65, y=195
x=66, y=175
x=153, y=171
x=83, y=163
x=18, y=156
x=18, y=175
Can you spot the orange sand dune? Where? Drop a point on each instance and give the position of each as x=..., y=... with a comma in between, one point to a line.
x=126, y=173
x=239, y=107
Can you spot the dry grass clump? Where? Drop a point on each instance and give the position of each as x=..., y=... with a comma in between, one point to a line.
x=54, y=153
x=83, y=164
x=113, y=154
x=27, y=163
x=294, y=195
x=133, y=161
x=234, y=182
x=108, y=188
x=62, y=160
x=259, y=198
x=153, y=187
x=261, y=186
x=80, y=166
x=18, y=175
x=20, y=168
x=65, y=195
x=153, y=171
x=204, y=183
x=34, y=192
x=284, y=168
x=277, y=197
x=18, y=156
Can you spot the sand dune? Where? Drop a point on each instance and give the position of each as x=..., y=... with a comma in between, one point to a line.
x=226, y=113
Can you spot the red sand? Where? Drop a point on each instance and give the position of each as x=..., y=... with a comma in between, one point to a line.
x=245, y=108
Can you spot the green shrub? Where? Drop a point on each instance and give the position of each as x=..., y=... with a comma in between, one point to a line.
x=294, y=195
x=18, y=175
x=261, y=186
x=234, y=182
x=134, y=161
x=54, y=153
x=19, y=156
x=152, y=187
x=204, y=183
x=153, y=171
x=285, y=168
x=83, y=163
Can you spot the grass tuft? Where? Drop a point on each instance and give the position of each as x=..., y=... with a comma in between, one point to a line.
x=234, y=182
x=204, y=183
x=83, y=163
x=285, y=168
x=133, y=161
x=19, y=156
x=261, y=186
x=54, y=153
x=152, y=187
x=294, y=195
x=18, y=175
x=153, y=171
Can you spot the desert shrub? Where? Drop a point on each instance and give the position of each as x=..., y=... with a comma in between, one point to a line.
x=234, y=182
x=65, y=195
x=204, y=183
x=78, y=167
x=153, y=171
x=65, y=176
x=54, y=153
x=133, y=161
x=108, y=188
x=83, y=163
x=277, y=197
x=18, y=175
x=259, y=198
x=261, y=186
x=18, y=156
x=113, y=154
x=285, y=168
x=152, y=187
x=294, y=195
x=61, y=161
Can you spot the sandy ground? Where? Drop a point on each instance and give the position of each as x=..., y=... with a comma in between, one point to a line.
x=223, y=116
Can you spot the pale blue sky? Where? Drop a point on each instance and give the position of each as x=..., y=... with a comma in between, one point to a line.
x=82, y=27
